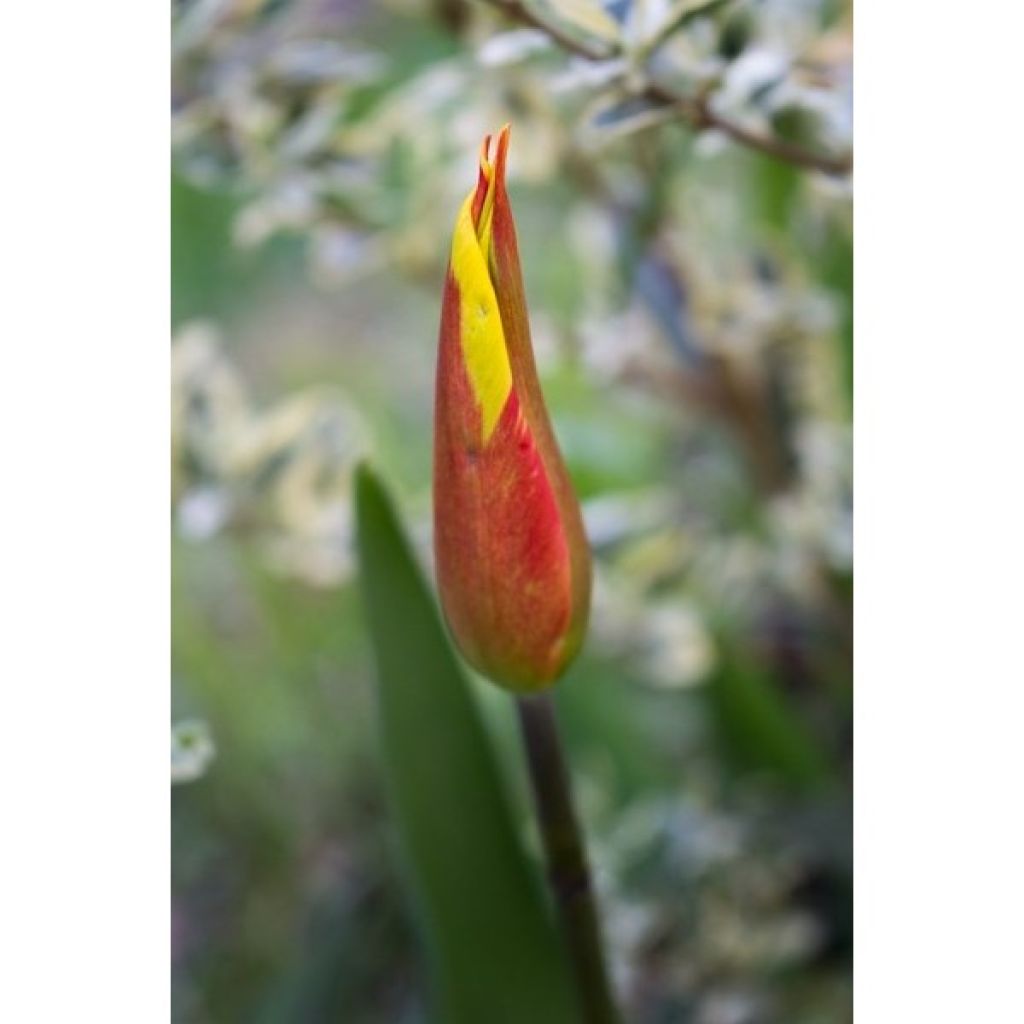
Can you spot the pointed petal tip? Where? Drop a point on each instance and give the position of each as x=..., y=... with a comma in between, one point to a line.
x=493, y=151
x=501, y=152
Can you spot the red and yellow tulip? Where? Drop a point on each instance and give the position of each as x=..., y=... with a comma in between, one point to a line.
x=513, y=563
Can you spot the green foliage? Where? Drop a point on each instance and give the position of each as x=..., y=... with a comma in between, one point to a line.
x=211, y=277
x=496, y=953
x=761, y=730
x=287, y=907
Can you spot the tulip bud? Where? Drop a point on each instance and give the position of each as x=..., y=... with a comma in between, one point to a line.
x=513, y=565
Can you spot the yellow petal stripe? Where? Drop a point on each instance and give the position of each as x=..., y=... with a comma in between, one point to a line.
x=483, y=341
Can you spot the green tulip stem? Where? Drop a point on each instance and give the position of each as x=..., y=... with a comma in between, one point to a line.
x=568, y=872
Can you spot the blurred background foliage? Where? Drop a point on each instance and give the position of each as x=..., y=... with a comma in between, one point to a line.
x=679, y=177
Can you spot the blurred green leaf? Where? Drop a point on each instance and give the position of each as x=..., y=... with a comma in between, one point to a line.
x=836, y=267
x=202, y=264
x=776, y=188
x=735, y=33
x=496, y=956
x=799, y=124
x=762, y=732
x=211, y=276
x=681, y=13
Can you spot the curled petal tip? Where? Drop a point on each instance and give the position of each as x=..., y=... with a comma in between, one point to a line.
x=493, y=153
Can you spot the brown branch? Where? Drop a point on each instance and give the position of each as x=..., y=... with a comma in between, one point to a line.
x=695, y=109
x=698, y=112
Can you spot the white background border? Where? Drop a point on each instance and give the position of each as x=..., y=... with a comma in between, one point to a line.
x=84, y=509
x=939, y=513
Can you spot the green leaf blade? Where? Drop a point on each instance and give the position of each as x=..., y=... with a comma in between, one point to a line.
x=495, y=954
